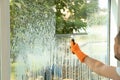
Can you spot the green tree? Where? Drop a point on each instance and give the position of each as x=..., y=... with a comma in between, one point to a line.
x=72, y=14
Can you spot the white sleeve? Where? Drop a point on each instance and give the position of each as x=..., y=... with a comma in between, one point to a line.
x=118, y=70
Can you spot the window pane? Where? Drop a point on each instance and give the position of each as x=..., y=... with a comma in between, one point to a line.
x=38, y=52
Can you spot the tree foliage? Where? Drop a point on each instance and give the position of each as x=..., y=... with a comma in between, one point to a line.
x=72, y=14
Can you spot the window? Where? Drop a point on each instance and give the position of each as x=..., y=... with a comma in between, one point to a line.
x=37, y=52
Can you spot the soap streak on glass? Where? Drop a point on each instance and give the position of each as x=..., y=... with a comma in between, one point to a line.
x=34, y=59
x=44, y=55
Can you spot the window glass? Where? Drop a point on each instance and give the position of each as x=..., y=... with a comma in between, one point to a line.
x=41, y=32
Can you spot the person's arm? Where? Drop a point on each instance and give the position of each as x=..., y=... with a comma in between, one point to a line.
x=102, y=69
x=95, y=65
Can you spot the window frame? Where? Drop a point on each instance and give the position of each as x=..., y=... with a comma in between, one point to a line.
x=4, y=40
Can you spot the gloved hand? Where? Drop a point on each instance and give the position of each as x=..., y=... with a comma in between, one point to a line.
x=76, y=50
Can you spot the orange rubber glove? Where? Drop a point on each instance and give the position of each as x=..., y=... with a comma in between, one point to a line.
x=76, y=50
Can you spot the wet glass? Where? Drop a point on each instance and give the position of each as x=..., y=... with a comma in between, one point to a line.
x=38, y=53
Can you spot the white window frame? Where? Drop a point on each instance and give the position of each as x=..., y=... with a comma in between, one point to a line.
x=114, y=27
x=4, y=40
x=118, y=64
